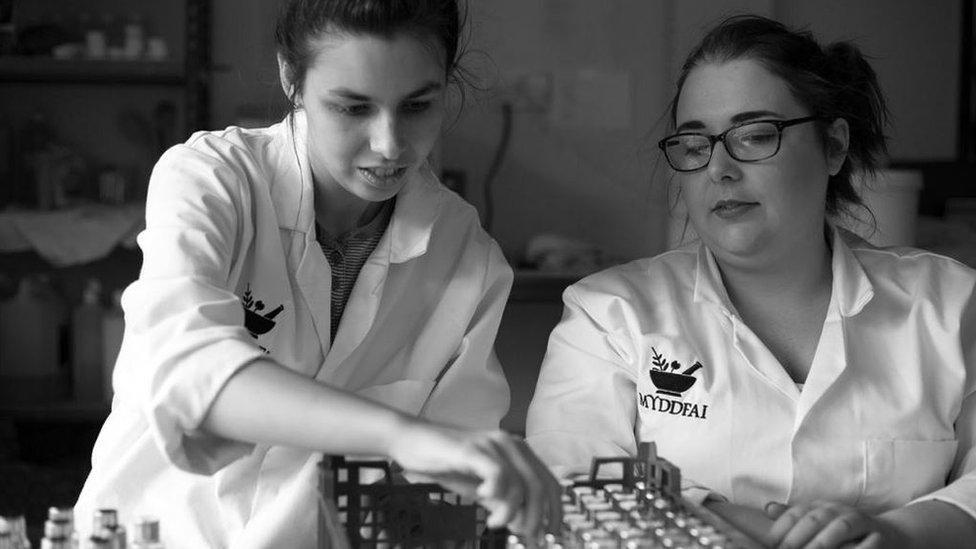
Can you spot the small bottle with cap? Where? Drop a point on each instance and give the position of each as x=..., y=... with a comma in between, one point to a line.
x=57, y=535
x=145, y=534
x=108, y=520
x=17, y=528
x=6, y=541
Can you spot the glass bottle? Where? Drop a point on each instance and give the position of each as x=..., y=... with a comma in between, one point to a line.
x=5, y=536
x=65, y=515
x=57, y=535
x=145, y=534
x=108, y=520
x=18, y=532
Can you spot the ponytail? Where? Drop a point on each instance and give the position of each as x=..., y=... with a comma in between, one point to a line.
x=860, y=101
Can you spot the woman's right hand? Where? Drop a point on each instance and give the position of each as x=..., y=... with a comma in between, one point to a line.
x=499, y=470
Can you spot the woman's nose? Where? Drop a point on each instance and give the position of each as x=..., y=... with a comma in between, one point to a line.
x=722, y=167
x=385, y=137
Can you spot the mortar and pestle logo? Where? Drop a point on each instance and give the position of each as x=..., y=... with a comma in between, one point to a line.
x=258, y=324
x=665, y=377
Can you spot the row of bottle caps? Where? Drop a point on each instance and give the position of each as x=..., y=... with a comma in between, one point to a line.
x=60, y=533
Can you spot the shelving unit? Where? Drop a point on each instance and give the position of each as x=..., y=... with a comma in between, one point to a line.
x=72, y=71
x=192, y=72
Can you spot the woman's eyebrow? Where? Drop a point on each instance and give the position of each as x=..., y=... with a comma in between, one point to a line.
x=736, y=119
x=346, y=93
x=430, y=87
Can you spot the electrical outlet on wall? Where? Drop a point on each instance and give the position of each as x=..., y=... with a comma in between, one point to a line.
x=528, y=91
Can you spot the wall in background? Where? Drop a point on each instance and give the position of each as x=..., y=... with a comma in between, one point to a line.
x=585, y=165
x=914, y=48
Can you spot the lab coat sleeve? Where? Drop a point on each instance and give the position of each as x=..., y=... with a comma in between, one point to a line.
x=961, y=487
x=184, y=335
x=471, y=391
x=584, y=402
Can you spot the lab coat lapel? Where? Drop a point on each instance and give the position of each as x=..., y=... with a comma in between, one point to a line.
x=709, y=288
x=850, y=291
x=406, y=237
x=294, y=199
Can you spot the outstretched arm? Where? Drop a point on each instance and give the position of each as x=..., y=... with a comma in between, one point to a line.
x=498, y=469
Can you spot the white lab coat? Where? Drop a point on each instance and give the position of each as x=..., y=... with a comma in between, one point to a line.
x=229, y=225
x=887, y=413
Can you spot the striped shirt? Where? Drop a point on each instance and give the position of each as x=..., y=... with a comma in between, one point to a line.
x=347, y=253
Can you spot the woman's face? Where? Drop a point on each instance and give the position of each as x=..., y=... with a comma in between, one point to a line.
x=753, y=213
x=374, y=107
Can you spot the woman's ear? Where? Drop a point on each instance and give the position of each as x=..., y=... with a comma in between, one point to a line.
x=284, y=76
x=838, y=138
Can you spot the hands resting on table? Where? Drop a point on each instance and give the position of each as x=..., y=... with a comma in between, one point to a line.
x=829, y=524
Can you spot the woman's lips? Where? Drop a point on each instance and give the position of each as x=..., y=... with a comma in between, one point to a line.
x=730, y=209
x=383, y=177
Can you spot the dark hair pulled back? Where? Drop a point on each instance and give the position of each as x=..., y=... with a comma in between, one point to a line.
x=832, y=82
x=301, y=22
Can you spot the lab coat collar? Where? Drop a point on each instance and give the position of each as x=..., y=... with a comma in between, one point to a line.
x=417, y=204
x=708, y=281
x=851, y=287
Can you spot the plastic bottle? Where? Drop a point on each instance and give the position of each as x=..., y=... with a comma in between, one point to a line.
x=134, y=37
x=86, y=345
x=96, y=41
x=145, y=534
x=113, y=327
x=32, y=329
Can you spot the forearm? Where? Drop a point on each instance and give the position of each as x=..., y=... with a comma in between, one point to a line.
x=932, y=524
x=268, y=404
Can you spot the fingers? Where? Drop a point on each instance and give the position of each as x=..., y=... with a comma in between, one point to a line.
x=530, y=516
x=873, y=541
x=848, y=526
x=498, y=469
x=807, y=522
x=501, y=490
x=820, y=525
x=540, y=491
x=774, y=509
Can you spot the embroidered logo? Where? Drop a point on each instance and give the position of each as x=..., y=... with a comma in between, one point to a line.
x=668, y=380
x=256, y=323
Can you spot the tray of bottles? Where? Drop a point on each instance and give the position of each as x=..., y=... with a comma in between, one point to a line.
x=625, y=503
x=635, y=503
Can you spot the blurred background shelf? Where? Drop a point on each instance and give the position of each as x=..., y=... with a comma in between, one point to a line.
x=80, y=71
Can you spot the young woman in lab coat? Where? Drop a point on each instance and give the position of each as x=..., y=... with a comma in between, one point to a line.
x=814, y=389
x=311, y=288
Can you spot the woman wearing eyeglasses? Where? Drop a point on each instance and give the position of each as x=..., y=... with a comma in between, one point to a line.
x=813, y=389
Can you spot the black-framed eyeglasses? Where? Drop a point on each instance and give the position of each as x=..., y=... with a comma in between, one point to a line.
x=750, y=142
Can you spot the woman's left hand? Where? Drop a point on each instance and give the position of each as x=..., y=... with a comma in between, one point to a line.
x=827, y=524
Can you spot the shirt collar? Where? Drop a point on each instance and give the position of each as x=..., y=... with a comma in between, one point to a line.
x=417, y=204
x=851, y=288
